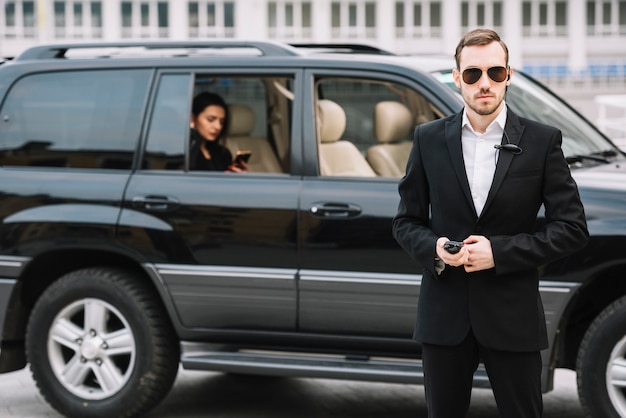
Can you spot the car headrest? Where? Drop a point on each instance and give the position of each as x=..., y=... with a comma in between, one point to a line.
x=242, y=120
x=393, y=122
x=331, y=121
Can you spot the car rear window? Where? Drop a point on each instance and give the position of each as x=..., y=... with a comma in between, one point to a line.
x=86, y=119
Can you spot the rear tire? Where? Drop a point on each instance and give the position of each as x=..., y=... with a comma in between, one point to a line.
x=99, y=344
x=601, y=364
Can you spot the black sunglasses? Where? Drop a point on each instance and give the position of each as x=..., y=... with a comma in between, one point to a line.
x=497, y=74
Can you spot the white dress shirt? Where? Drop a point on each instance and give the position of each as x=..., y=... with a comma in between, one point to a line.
x=480, y=156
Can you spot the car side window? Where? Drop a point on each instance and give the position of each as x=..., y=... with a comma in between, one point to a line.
x=169, y=124
x=80, y=119
x=260, y=111
x=364, y=126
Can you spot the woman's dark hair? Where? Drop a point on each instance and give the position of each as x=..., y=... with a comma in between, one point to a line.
x=206, y=99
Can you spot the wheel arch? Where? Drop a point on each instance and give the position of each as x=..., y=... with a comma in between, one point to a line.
x=43, y=270
x=599, y=291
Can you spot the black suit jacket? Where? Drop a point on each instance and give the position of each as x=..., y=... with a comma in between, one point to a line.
x=502, y=305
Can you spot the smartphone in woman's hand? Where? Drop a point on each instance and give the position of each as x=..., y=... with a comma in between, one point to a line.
x=242, y=156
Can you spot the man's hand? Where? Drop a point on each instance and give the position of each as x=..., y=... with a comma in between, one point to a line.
x=475, y=255
x=480, y=255
x=453, y=260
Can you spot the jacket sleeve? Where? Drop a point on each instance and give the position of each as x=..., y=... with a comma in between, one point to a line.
x=565, y=230
x=411, y=225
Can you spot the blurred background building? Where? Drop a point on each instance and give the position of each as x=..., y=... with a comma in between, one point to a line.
x=544, y=35
x=572, y=45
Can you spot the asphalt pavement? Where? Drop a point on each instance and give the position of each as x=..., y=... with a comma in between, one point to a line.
x=213, y=395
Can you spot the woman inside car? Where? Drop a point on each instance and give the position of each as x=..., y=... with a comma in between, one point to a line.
x=208, y=122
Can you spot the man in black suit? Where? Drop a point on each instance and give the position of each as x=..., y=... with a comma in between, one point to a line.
x=481, y=177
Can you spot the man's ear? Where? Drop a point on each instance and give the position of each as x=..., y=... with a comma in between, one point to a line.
x=192, y=123
x=456, y=75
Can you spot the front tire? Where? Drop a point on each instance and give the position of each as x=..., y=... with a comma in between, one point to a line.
x=601, y=364
x=100, y=345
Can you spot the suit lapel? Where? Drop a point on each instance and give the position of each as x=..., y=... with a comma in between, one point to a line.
x=514, y=132
x=453, y=142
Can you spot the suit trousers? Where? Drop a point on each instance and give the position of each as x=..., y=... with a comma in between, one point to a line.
x=515, y=379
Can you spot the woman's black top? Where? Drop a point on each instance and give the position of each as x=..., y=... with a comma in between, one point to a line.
x=221, y=158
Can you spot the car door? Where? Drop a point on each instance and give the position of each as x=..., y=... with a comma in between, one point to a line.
x=355, y=279
x=223, y=243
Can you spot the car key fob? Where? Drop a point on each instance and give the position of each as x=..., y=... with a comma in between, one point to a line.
x=453, y=247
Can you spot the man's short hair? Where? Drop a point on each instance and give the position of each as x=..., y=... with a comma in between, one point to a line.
x=479, y=37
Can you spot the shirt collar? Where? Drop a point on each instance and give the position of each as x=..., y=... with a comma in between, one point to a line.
x=500, y=120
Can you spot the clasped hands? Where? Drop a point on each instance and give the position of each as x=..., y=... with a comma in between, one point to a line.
x=475, y=255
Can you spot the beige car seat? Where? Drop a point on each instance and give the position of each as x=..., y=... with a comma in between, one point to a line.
x=338, y=158
x=393, y=124
x=242, y=121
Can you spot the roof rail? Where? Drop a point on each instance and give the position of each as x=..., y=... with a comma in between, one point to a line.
x=343, y=48
x=52, y=51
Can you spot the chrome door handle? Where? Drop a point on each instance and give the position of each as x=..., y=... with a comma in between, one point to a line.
x=156, y=203
x=335, y=210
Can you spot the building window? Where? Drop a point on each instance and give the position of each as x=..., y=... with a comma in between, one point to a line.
x=272, y=21
x=544, y=18
x=543, y=14
x=145, y=19
x=526, y=22
x=418, y=18
x=59, y=19
x=192, y=9
x=163, y=15
x=561, y=16
x=289, y=15
x=78, y=15
x=9, y=14
x=370, y=17
x=145, y=14
x=435, y=17
x=481, y=13
x=96, y=19
x=127, y=15
x=78, y=23
x=229, y=15
x=417, y=15
x=399, y=18
x=335, y=16
x=210, y=14
x=289, y=19
x=606, y=13
x=606, y=18
x=307, y=19
x=497, y=14
x=211, y=19
x=353, y=20
x=352, y=15
x=28, y=11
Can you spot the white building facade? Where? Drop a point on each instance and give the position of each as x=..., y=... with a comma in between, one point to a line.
x=548, y=37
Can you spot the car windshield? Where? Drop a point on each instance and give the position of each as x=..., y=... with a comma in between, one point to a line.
x=527, y=98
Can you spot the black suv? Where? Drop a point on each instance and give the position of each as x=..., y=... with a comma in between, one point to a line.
x=118, y=262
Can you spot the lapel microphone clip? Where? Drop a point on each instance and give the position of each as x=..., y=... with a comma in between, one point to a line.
x=512, y=148
x=508, y=147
